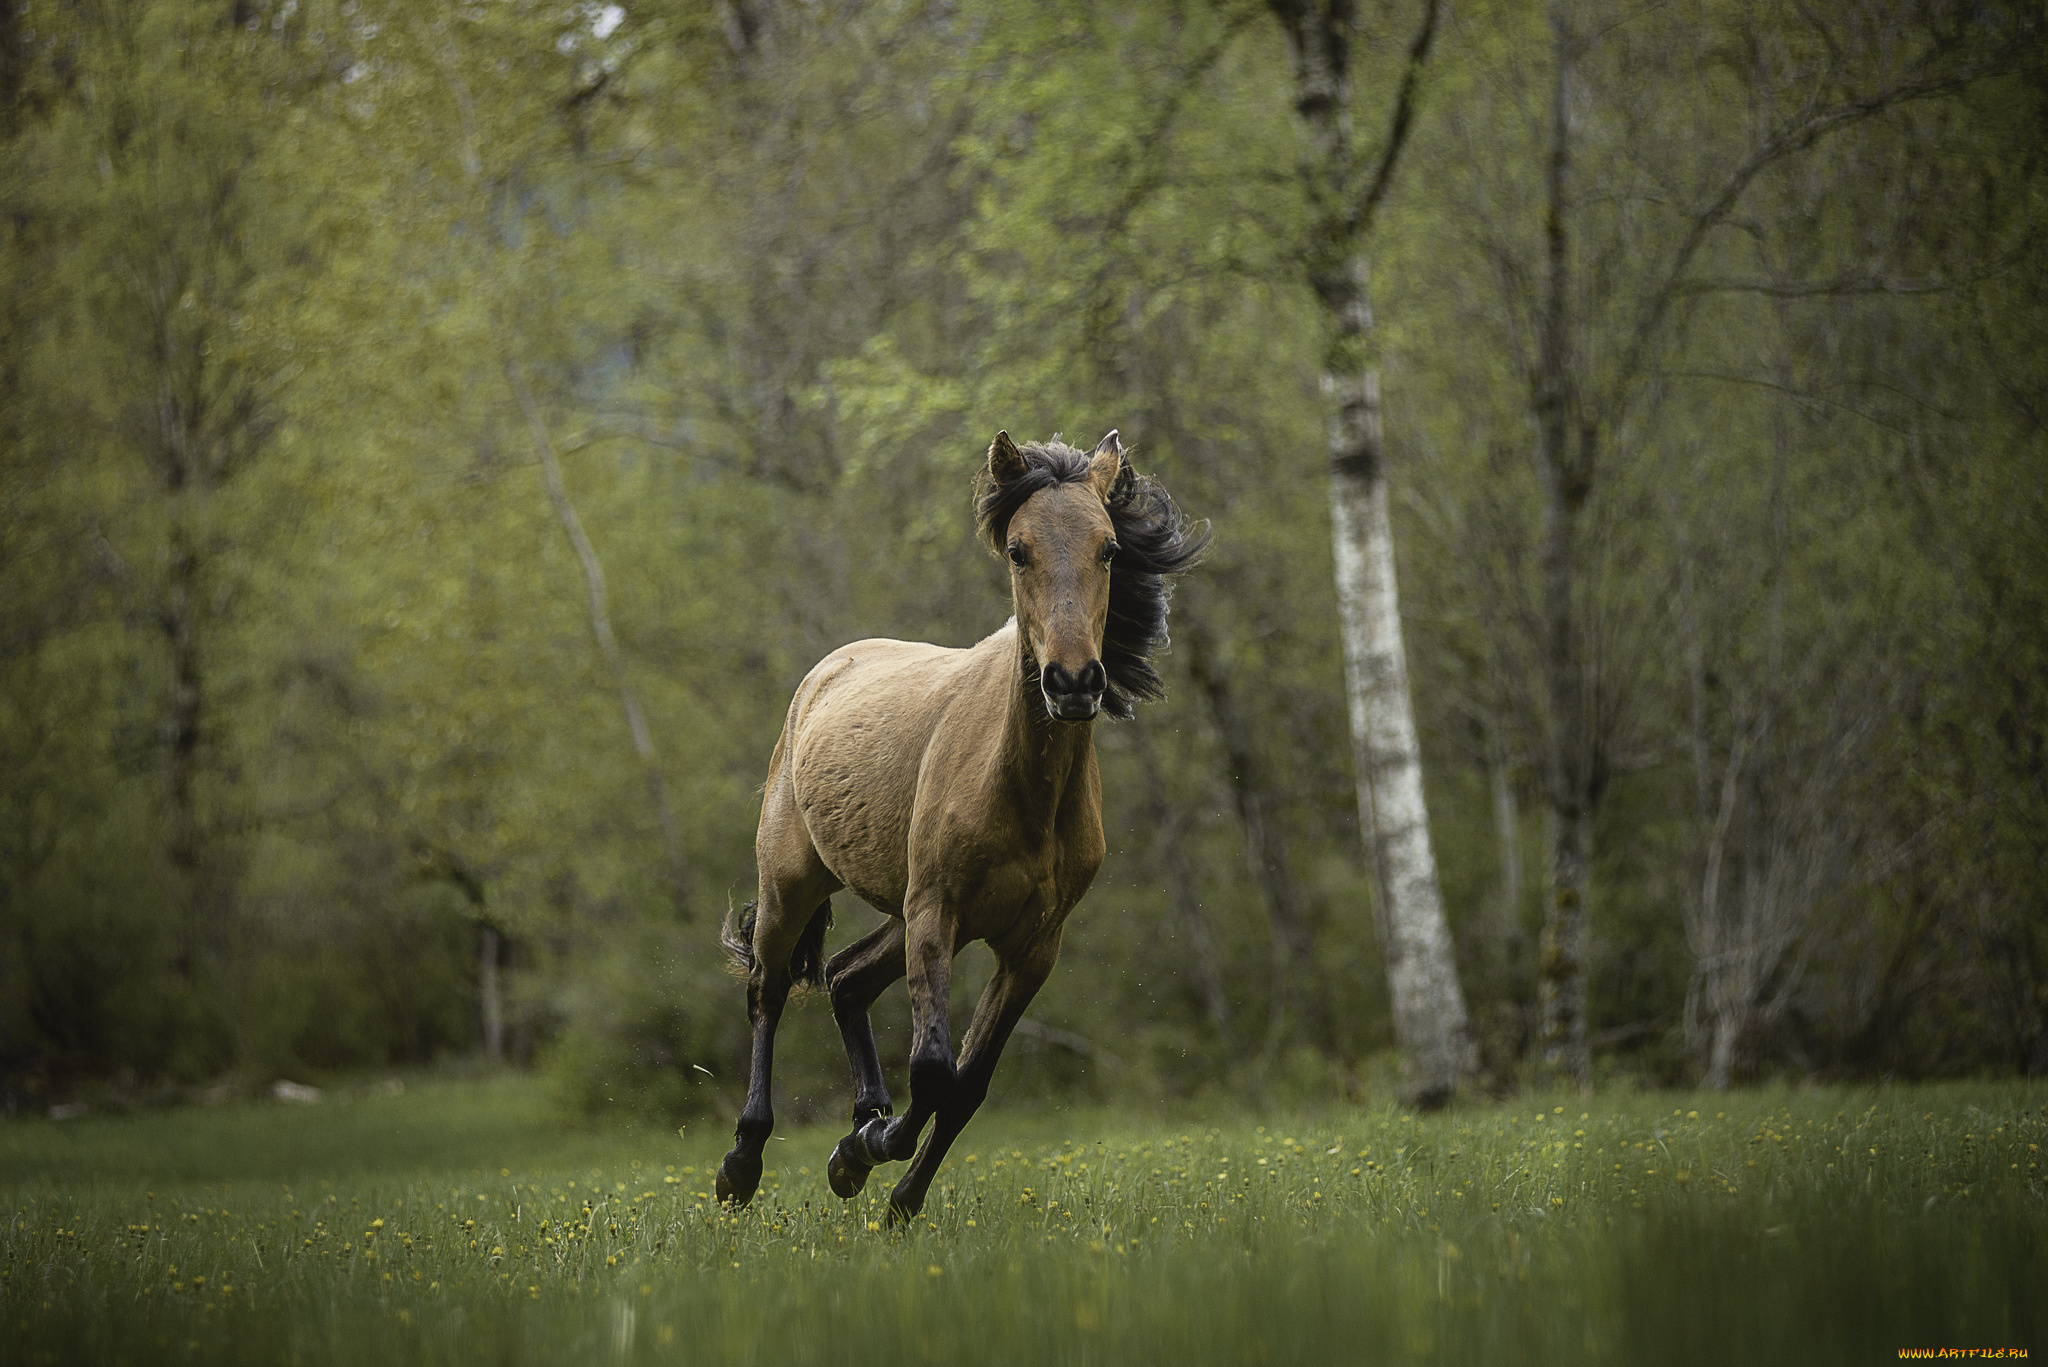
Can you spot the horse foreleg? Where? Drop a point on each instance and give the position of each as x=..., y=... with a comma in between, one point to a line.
x=1002, y=1005
x=928, y=959
x=857, y=975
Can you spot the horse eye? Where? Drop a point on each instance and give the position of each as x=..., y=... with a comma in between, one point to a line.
x=1017, y=556
x=1109, y=552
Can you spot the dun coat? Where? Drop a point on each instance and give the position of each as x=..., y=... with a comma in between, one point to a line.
x=955, y=790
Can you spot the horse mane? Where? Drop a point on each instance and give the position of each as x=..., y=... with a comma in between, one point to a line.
x=1154, y=543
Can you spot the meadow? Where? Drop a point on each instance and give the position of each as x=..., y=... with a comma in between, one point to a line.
x=464, y=1222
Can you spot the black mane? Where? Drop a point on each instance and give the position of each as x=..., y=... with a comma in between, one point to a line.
x=1154, y=543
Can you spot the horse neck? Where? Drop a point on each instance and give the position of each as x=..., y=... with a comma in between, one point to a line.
x=1043, y=756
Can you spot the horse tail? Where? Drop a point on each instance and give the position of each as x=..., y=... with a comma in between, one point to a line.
x=737, y=935
x=806, y=961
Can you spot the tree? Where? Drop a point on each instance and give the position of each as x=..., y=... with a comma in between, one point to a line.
x=157, y=351
x=1614, y=229
x=1344, y=191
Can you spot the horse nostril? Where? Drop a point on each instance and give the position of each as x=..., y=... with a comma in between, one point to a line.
x=1074, y=695
x=1089, y=681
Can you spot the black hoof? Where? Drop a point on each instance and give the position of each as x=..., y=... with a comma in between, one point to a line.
x=738, y=1176
x=847, y=1170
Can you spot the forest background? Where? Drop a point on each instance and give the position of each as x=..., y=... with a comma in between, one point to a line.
x=437, y=438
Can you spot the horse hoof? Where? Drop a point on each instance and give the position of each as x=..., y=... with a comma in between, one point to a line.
x=845, y=1170
x=902, y=1209
x=738, y=1176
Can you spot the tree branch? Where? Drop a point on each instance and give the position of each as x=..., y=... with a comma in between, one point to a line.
x=1796, y=138
x=1142, y=186
x=1803, y=395
x=1360, y=218
x=601, y=623
x=1809, y=289
x=1067, y=1040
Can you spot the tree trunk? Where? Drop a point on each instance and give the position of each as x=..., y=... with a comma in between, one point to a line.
x=1721, y=1059
x=1422, y=980
x=1265, y=852
x=1507, y=834
x=184, y=712
x=607, y=643
x=1505, y=943
x=1566, y=451
x=1183, y=892
x=1561, y=953
x=184, y=471
x=489, y=1004
x=492, y=944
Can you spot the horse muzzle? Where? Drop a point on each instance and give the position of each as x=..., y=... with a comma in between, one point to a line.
x=1072, y=695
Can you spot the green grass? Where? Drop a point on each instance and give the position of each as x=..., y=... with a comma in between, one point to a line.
x=460, y=1223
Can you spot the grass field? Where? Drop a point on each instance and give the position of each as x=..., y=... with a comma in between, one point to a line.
x=462, y=1223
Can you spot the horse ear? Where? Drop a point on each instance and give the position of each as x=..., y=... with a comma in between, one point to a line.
x=1109, y=474
x=1004, y=463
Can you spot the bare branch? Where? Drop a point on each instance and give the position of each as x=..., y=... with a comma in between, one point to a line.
x=627, y=429
x=1144, y=184
x=1067, y=1040
x=1797, y=138
x=1809, y=396
x=1399, y=123
x=1808, y=289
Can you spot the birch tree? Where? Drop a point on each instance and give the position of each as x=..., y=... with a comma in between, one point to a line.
x=1344, y=192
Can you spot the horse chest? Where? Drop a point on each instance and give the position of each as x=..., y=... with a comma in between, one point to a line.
x=1018, y=888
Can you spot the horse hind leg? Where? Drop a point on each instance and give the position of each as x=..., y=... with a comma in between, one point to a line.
x=780, y=924
x=740, y=1174
x=857, y=975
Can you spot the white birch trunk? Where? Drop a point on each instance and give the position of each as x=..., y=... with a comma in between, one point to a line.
x=1429, y=1010
x=1422, y=979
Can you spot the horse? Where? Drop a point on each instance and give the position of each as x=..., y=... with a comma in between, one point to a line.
x=955, y=791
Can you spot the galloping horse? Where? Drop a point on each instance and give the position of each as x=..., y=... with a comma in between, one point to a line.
x=956, y=791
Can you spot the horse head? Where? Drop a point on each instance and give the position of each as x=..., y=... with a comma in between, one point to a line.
x=1060, y=542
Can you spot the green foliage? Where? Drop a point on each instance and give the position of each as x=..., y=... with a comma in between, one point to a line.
x=773, y=276
x=651, y=1046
